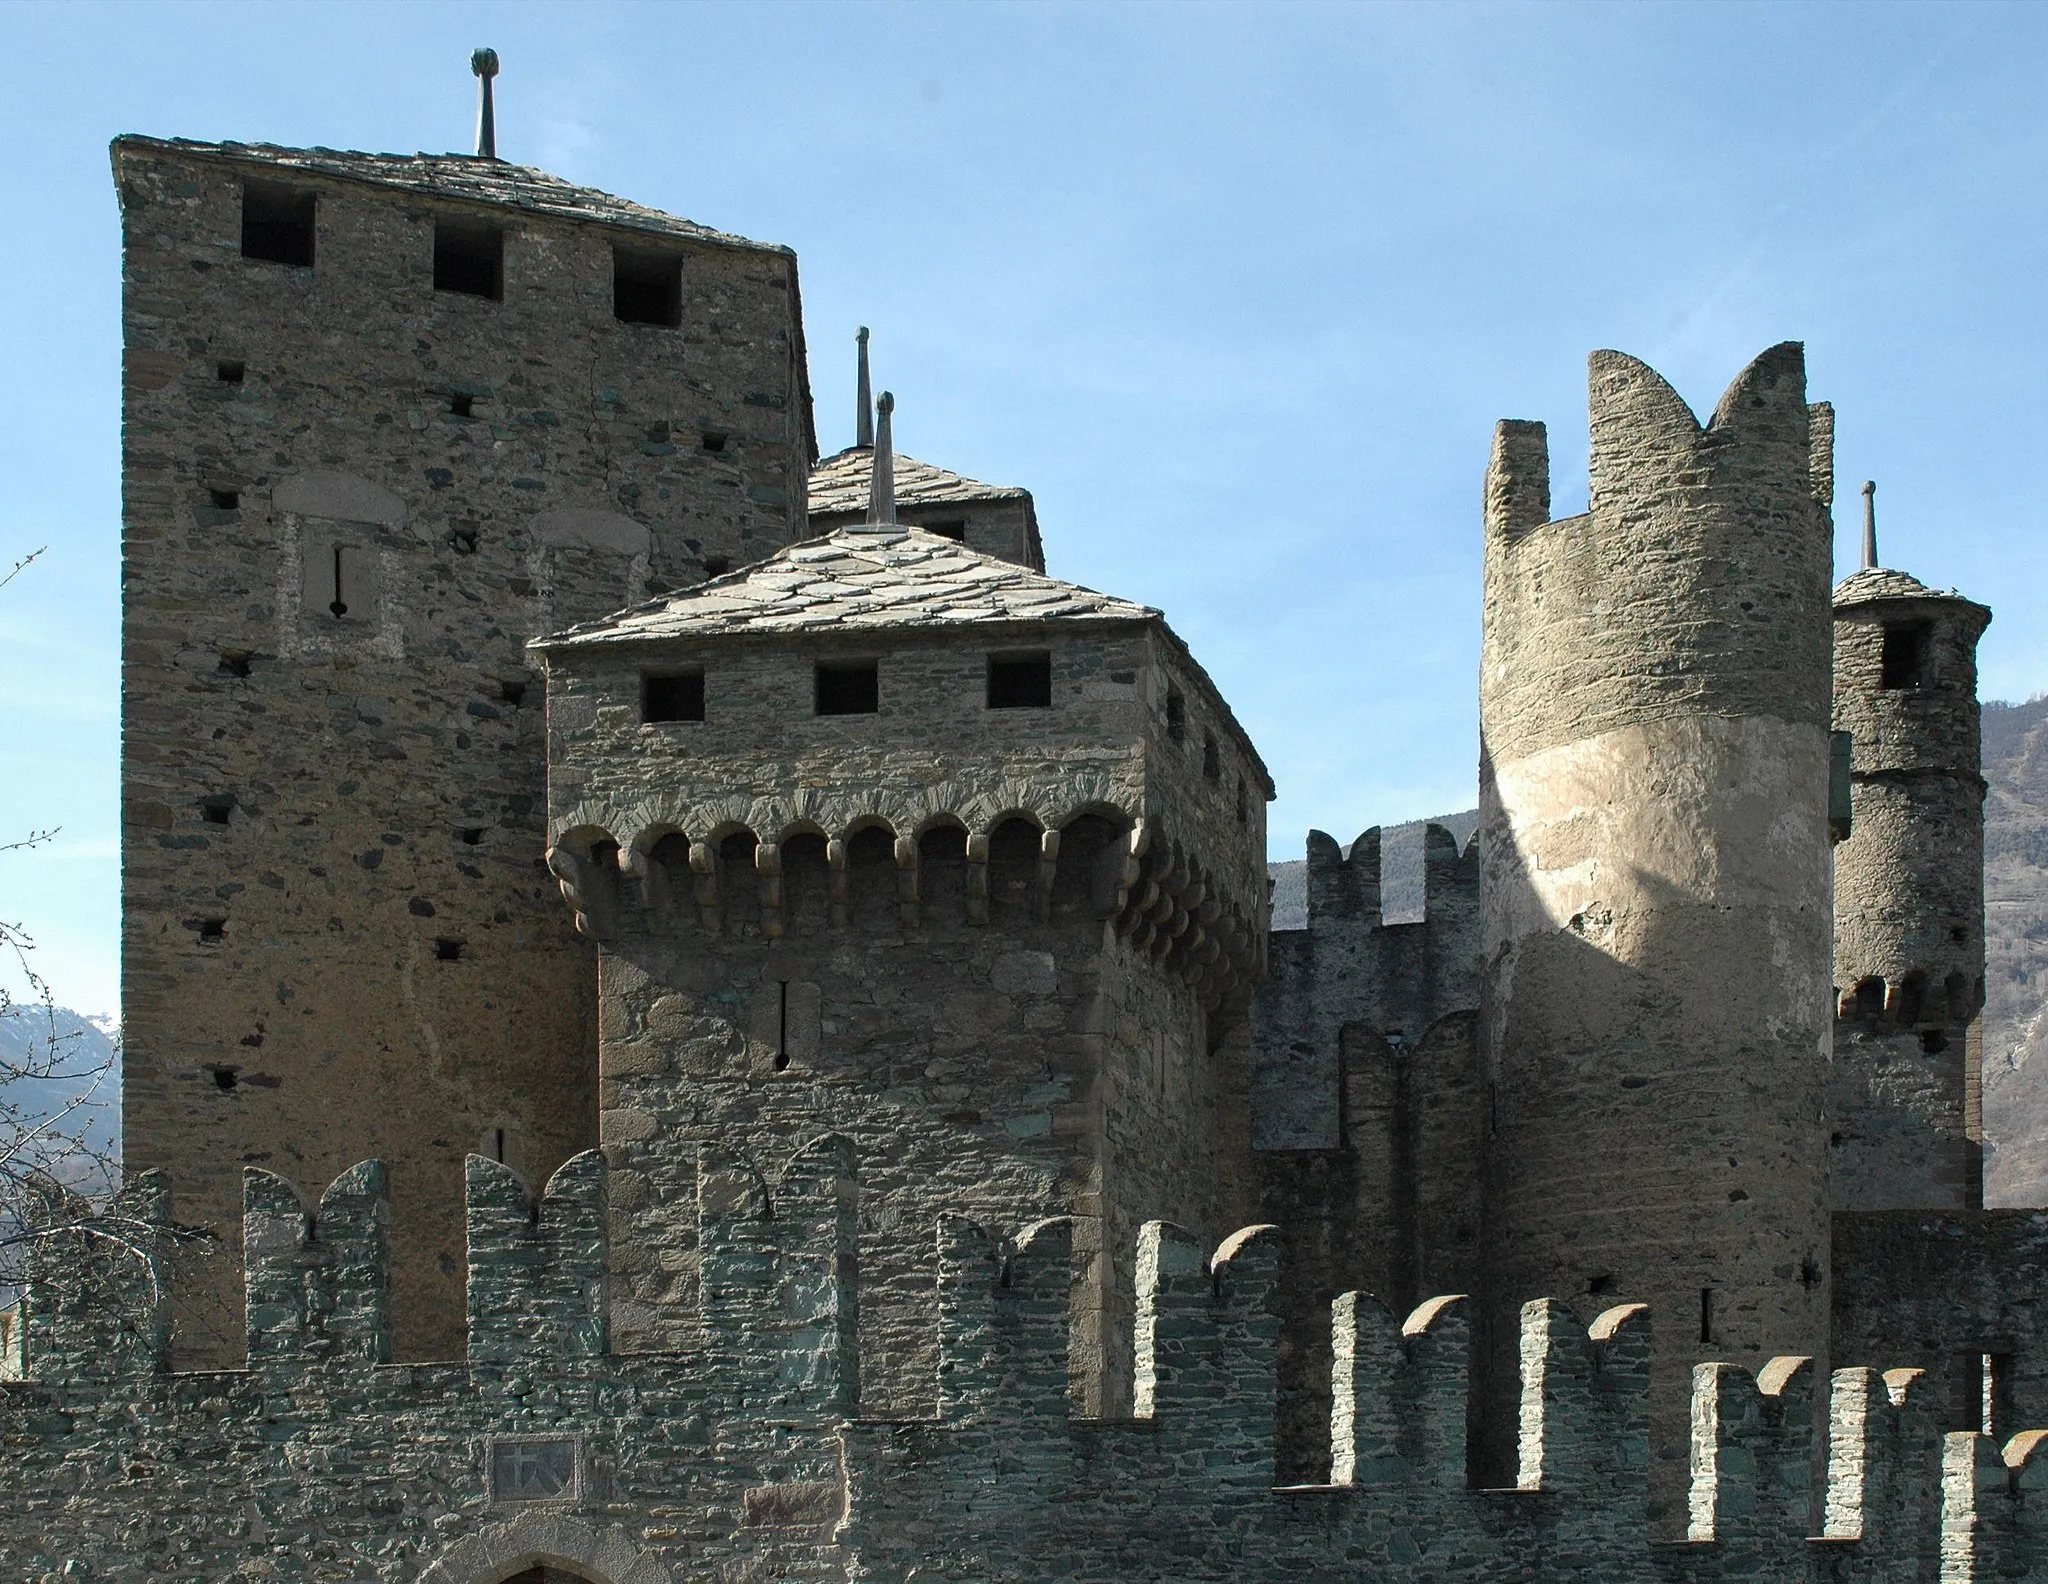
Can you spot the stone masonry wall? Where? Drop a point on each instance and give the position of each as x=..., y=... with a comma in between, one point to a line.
x=337, y=929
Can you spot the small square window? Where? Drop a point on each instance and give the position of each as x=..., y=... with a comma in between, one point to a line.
x=848, y=687
x=229, y=372
x=277, y=224
x=1020, y=681
x=469, y=258
x=647, y=288
x=1903, y=663
x=461, y=404
x=671, y=696
x=225, y=500
x=953, y=528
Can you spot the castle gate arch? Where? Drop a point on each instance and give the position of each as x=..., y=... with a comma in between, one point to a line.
x=546, y=1548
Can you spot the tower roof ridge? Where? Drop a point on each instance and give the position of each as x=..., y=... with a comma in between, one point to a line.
x=862, y=577
x=840, y=483
x=468, y=177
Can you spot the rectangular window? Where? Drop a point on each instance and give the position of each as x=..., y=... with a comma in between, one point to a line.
x=953, y=528
x=647, y=288
x=469, y=257
x=1176, y=716
x=848, y=687
x=1020, y=681
x=1904, y=662
x=277, y=224
x=672, y=696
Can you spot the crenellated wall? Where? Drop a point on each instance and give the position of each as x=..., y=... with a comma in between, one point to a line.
x=750, y=1456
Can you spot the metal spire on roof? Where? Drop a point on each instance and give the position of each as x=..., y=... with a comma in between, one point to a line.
x=484, y=63
x=882, y=476
x=864, y=428
x=1869, y=524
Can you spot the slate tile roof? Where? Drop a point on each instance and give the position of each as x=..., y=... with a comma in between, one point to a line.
x=856, y=579
x=461, y=176
x=840, y=484
x=1876, y=583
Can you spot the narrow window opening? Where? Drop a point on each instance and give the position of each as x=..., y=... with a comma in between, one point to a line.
x=216, y=810
x=1020, y=681
x=461, y=405
x=339, y=604
x=1933, y=1042
x=1809, y=1268
x=1243, y=804
x=712, y=440
x=469, y=258
x=513, y=693
x=498, y=1145
x=451, y=951
x=848, y=687
x=953, y=528
x=717, y=566
x=225, y=500
x=647, y=288
x=213, y=929
x=229, y=372
x=1997, y=1405
x=782, y=1025
x=234, y=662
x=1903, y=663
x=1176, y=716
x=224, y=1078
x=1599, y=1286
x=463, y=538
x=671, y=696
x=277, y=224
x=1707, y=1314
x=470, y=835
x=1212, y=760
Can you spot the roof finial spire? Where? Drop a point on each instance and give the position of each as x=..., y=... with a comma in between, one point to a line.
x=882, y=477
x=864, y=429
x=484, y=63
x=1869, y=524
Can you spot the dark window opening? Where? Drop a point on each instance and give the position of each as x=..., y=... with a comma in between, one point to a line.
x=343, y=578
x=463, y=537
x=953, y=528
x=1996, y=1408
x=224, y=1078
x=1933, y=1042
x=672, y=696
x=234, y=662
x=1020, y=681
x=1958, y=933
x=1809, y=1273
x=712, y=440
x=469, y=258
x=1870, y=999
x=1597, y=1286
x=647, y=288
x=1176, y=715
x=1243, y=804
x=213, y=929
x=513, y=693
x=229, y=373
x=1707, y=1314
x=461, y=405
x=450, y=951
x=1903, y=663
x=277, y=224
x=1912, y=997
x=1212, y=760
x=782, y=1026
x=848, y=687
x=717, y=566
x=470, y=835
x=225, y=500
x=216, y=810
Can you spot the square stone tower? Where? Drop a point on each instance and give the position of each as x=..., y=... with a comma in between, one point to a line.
x=887, y=837
x=385, y=419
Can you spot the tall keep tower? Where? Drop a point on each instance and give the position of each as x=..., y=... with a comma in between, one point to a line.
x=1654, y=802
x=386, y=418
x=1906, y=1113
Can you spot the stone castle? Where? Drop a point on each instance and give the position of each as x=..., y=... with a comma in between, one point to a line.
x=721, y=1023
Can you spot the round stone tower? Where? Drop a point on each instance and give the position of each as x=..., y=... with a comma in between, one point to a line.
x=1905, y=1117
x=1654, y=814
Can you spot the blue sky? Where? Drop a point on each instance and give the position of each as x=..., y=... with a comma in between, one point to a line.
x=1236, y=291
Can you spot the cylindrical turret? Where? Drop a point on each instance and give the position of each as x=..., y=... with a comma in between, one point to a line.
x=1905, y=1116
x=1654, y=816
